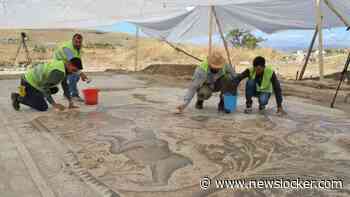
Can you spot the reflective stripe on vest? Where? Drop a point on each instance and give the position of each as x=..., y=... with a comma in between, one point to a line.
x=38, y=75
x=266, y=85
x=59, y=53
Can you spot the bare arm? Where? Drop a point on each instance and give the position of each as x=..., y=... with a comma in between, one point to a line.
x=199, y=78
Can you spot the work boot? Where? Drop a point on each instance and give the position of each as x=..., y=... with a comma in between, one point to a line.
x=78, y=99
x=199, y=104
x=15, y=101
x=262, y=110
x=261, y=107
x=248, y=110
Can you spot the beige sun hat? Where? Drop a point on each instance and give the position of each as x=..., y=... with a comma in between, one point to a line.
x=216, y=60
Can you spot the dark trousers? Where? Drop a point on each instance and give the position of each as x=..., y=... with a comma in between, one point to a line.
x=250, y=92
x=222, y=85
x=34, y=98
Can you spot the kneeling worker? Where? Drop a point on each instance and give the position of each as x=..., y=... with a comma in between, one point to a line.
x=41, y=82
x=212, y=75
x=67, y=51
x=262, y=82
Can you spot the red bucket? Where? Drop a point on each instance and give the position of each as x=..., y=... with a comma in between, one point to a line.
x=91, y=96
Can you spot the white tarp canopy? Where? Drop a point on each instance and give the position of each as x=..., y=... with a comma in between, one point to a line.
x=34, y=14
x=168, y=18
x=266, y=15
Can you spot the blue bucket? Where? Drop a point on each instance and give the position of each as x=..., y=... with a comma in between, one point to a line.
x=230, y=103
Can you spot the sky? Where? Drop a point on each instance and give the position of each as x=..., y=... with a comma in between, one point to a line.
x=286, y=41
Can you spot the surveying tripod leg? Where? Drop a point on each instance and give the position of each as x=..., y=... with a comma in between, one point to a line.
x=29, y=61
x=17, y=53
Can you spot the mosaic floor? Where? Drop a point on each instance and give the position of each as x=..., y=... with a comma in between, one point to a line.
x=134, y=144
x=142, y=148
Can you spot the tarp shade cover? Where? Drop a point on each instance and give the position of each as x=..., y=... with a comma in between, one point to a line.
x=268, y=16
x=169, y=19
x=76, y=13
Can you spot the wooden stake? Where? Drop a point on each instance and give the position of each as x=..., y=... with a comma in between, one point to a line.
x=222, y=36
x=308, y=54
x=320, y=38
x=137, y=48
x=210, y=29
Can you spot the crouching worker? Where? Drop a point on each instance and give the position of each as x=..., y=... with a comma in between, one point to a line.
x=40, y=83
x=212, y=75
x=67, y=51
x=262, y=82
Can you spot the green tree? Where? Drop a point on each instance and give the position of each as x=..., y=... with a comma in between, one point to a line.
x=242, y=38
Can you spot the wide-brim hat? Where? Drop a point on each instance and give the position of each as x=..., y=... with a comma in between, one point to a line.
x=216, y=60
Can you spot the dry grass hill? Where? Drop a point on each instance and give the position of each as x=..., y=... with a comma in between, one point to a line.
x=117, y=51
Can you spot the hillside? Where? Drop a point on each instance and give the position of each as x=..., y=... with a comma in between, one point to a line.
x=117, y=51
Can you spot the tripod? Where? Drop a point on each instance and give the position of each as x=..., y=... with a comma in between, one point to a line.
x=341, y=80
x=24, y=45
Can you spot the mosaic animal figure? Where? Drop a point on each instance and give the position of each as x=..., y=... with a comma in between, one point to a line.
x=146, y=149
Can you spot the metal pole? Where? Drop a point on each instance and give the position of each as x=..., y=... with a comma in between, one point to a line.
x=320, y=38
x=308, y=54
x=210, y=29
x=222, y=36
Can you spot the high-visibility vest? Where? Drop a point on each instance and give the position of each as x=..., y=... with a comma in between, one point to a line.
x=266, y=84
x=205, y=67
x=59, y=53
x=39, y=75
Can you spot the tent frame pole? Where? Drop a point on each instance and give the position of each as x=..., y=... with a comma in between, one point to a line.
x=181, y=50
x=137, y=48
x=343, y=19
x=320, y=38
x=342, y=77
x=337, y=13
x=308, y=54
x=222, y=36
x=211, y=10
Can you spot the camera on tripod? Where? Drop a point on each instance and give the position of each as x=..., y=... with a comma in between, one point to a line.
x=23, y=44
x=24, y=36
